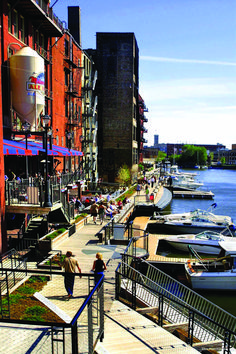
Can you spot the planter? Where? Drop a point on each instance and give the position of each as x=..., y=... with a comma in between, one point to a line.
x=46, y=244
x=43, y=264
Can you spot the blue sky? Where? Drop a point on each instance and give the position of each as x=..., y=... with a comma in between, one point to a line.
x=187, y=63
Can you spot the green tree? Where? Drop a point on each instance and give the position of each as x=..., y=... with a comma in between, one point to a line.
x=222, y=160
x=192, y=156
x=124, y=175
x=161, y=156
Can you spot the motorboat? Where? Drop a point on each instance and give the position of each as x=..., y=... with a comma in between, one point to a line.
x=194, y=222
x=185, y=182
x=206, y=242
x=174, y=170
x=214, y=274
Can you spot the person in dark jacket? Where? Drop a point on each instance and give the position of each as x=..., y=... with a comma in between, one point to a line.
x=98, y=267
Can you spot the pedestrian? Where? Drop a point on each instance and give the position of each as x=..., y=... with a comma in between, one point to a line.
x=147, y=194
x=70, y=265
x=94, y=211
x=98, y=267
x=138, y=189
x=152, y=181
x=101, y=212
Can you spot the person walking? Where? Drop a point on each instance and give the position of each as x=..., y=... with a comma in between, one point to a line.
x=70, y=265
x=138, y=189
x=101, y=212
x=94, y=211
x=98, y=267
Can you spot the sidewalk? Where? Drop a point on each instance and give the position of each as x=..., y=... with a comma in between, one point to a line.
x=126, y=331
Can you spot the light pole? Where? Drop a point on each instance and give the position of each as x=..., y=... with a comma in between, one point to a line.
x=47, y=201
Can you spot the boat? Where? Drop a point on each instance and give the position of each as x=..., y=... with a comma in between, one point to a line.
x=214, y=274
x=194, y=222
x=206, y=242
x=185, y=182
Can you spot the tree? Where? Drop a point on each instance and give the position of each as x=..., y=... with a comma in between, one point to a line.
x=192, y=156
x=222, y=160
x=124, y=174
x=161, y=156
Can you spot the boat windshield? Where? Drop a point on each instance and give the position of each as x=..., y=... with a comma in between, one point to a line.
x=209, y=236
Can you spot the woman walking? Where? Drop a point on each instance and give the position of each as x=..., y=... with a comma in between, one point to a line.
x=98, y=267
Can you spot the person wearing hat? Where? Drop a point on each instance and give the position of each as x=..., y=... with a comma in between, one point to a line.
x=70, y=264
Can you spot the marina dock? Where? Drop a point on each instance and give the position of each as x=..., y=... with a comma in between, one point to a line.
x=193, y=194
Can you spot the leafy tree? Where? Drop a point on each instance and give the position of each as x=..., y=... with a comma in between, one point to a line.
x=192, y=156
x=140, y=167
x=161, y=156
x=124, y=174
x=222, y=160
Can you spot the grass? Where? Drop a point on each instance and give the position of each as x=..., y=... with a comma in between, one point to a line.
x=55, y=234
x=80, y=217
x=128, y=193
x=24, y=306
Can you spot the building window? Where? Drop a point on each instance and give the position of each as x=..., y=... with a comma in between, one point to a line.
x=66, y=77
x=66, y=107
x=15, y=24
x=66, y=47
x=9, y=19
x=22, y=29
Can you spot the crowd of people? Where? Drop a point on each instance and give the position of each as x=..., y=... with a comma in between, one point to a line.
x=100, y=207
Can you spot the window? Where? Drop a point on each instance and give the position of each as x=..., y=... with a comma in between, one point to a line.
x=22, y=29
x=66, y=107
x=15, y=24
x=66, y=47
x=66, y=77
x=9, y=19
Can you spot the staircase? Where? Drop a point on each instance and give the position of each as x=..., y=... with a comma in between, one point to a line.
x=37, y=227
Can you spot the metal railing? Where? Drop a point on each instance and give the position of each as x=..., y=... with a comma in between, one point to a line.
x=70, y=327
x=140, y=283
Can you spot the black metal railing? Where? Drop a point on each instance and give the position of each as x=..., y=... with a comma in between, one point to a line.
x=76, y=329
x=138, y=282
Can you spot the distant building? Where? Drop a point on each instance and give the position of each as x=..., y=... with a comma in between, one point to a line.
x=156, y=140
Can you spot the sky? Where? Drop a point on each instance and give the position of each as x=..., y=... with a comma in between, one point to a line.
x=187, y=62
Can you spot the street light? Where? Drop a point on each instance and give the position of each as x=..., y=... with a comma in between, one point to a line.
x=47, y=201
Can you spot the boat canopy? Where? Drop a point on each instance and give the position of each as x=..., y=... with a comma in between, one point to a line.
x=228, y=247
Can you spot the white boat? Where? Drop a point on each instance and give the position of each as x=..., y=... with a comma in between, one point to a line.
x=207, y=242
x=174, y=170
x=218, y=274
x=186, y=182
x=194, y=222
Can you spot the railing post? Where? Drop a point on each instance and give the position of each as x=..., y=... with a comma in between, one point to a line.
x=160, y=310
x=190, y=327
x=90, y=328
x=134, y=294
x=74, y=338
x=226, y=349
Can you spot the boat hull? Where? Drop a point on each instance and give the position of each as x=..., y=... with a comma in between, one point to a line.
x=213, y=281
x=191, y=228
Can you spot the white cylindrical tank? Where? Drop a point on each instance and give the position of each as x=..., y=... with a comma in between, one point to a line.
x=27, y=84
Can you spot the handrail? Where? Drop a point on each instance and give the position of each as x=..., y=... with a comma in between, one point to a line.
x=156, y=281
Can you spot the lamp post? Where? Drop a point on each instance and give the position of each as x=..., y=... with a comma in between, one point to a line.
x=47, y=201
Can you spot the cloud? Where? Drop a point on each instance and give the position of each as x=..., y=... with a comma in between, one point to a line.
x=190, y=61
x=195, y=88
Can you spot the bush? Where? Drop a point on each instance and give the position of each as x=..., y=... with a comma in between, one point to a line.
x=55, y=234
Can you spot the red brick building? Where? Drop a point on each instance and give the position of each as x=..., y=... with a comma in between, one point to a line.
x=32, y=25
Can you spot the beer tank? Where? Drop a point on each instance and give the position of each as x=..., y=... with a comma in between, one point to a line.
x=27, y=85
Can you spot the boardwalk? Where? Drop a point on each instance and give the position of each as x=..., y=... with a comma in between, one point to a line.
x=126, y=331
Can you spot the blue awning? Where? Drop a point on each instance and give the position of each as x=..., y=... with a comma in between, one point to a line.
x=13, y=147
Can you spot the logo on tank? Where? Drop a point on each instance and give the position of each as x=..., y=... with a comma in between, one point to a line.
x=35, y=82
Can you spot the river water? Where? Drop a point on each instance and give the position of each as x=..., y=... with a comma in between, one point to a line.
x=223, y=184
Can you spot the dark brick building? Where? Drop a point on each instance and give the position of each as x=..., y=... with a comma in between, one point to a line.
x=117, y=59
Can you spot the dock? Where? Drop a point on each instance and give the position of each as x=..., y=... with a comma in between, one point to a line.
x=195, y=194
